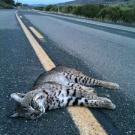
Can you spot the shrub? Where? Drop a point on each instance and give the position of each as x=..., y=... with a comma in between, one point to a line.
x=54, y=8
x=67, y=9
x=39, y=8
x=90, y=10
x=113, y=13
x=77, y=10
x=128, y=15
x=5, y=5
x=87, y=10
x=48, y=8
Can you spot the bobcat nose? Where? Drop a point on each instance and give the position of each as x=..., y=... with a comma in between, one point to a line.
x=42, y=109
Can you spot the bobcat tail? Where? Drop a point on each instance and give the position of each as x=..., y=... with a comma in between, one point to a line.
x=88, y=81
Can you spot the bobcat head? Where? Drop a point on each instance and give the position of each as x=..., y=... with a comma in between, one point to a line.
x=30, y=105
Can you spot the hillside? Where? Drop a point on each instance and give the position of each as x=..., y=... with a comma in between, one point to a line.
x=94, y=1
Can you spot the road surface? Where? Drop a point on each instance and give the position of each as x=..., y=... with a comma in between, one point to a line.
x=19, y=67
x=104, y=51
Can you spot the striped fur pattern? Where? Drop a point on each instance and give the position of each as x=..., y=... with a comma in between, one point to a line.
x=58, y=88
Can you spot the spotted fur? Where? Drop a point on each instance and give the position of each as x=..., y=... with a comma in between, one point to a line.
x=58, y=88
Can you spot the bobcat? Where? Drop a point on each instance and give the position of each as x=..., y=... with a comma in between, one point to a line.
x=61, y=87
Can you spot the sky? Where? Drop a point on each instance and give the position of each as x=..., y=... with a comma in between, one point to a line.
x=42, y=1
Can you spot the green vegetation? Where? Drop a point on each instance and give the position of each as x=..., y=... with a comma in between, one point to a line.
x=7, y=4
x=117, y=13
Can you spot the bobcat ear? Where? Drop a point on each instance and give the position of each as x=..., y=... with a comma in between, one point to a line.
x=21, y=94
x=37, y=96
x=14, y=115
x=18, y=97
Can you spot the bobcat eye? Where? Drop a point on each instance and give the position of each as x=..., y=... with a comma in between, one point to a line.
x=34, y=105
x=41, y=97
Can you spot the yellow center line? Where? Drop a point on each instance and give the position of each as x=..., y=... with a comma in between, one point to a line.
x=41, y=54
x=37, y=34
x=82, y=117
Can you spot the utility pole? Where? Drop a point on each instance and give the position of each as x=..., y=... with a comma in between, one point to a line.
x=58, y=9
x=17, y=4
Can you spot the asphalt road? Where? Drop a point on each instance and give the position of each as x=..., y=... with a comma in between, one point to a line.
x=19, y=68
x=109, y=27
x=104, y=54
x=107, y=55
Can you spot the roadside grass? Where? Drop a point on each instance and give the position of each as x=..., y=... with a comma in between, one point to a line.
x=114, y=13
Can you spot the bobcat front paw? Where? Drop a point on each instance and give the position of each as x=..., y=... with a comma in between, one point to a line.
x=112, y=106
x=109, y=104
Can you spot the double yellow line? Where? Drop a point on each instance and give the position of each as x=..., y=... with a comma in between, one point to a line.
x=82, y=117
